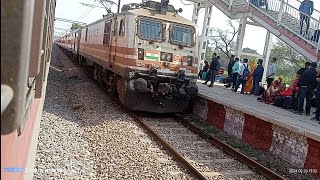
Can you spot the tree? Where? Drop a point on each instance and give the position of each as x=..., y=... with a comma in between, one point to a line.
x=223, y=40
x=224, y=60
x=289, y=61
x=75, y=26
x=251, y=51
x=209, y=52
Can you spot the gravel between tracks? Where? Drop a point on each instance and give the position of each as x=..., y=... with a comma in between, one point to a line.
x=208, y=159
x=85, y=135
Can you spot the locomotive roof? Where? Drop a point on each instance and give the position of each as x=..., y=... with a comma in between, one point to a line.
x=168, y=17
x=146, y=12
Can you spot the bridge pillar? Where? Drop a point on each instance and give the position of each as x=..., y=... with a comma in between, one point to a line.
x=203, y=40
x=240, y=37
x=266, y=54
x=195, y=14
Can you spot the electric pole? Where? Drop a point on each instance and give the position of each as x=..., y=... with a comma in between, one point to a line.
x=119, y=1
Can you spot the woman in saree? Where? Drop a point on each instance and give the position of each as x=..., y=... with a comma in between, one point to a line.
x=249, y=83
x=268, y=96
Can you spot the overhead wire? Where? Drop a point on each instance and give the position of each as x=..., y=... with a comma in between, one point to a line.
x=86, y=14
x=186, y=3
x=93, y=8
x=86, y=11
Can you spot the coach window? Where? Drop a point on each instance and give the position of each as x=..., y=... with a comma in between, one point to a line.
x=121, y=29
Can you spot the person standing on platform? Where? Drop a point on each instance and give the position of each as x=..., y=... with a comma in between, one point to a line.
x=295, y=92
x=203, y=73
x=307, y=84
x=213, y=69
x=317, y=118
x=249, y=84
x=306, y=10
x=257, y=78
x=306, y=66
x=230, y=65
x=244, y=76
x=272, y=71
x=235, y=72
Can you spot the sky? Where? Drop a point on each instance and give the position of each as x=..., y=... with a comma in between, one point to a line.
x=73, y=10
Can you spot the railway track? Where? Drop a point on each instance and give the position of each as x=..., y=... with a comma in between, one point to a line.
x=204, y=156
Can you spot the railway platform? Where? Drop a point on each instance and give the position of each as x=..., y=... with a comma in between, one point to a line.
x=295, y=138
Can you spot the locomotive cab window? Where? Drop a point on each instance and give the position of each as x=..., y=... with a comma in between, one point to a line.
x=182, y=35
x=150, y=30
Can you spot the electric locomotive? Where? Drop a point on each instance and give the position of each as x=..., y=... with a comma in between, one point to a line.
x=147, y=55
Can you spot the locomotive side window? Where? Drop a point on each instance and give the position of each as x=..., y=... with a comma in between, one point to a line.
x=150, y=30
x=121, y=29
x=182, y=35
x=106, y=35
x=86, y=37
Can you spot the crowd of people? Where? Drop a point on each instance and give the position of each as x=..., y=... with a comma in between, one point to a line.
x=249, y=76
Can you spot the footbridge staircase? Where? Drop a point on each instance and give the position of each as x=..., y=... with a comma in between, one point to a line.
x=279, y=17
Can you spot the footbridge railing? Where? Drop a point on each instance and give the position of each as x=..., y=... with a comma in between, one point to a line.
x=286, y=13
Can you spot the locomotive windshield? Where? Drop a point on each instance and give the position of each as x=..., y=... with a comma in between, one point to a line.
x=181, y=35
x=150, y=30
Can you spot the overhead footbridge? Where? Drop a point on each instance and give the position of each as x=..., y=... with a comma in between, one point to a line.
x=279, y=17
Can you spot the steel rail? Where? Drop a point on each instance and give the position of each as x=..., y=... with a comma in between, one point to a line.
x=185, y=163
x=181, y=160
x=230, y=150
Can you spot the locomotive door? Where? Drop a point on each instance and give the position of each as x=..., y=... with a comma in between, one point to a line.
x=107, y=39
x=118, y=35
x=74, y=41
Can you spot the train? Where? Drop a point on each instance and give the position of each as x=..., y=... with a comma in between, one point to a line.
x=146, y=55
x=26, y=44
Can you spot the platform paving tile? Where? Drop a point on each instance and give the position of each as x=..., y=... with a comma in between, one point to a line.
x=250, y=105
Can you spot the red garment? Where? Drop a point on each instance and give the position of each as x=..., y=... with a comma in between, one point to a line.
x=287, y=92
x=220, y=72
x=294, y=86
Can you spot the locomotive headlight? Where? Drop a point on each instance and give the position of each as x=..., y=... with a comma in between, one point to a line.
x=169, y=57
x=166, y=56
x=163, y=56
x=140, y=53
x=189, y=60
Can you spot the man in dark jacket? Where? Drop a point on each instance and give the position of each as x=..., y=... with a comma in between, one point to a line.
x=317, y=118
x=257, y=78
x=307, y=84
x=230, y=65
x=213, y=68
x=306, y=66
